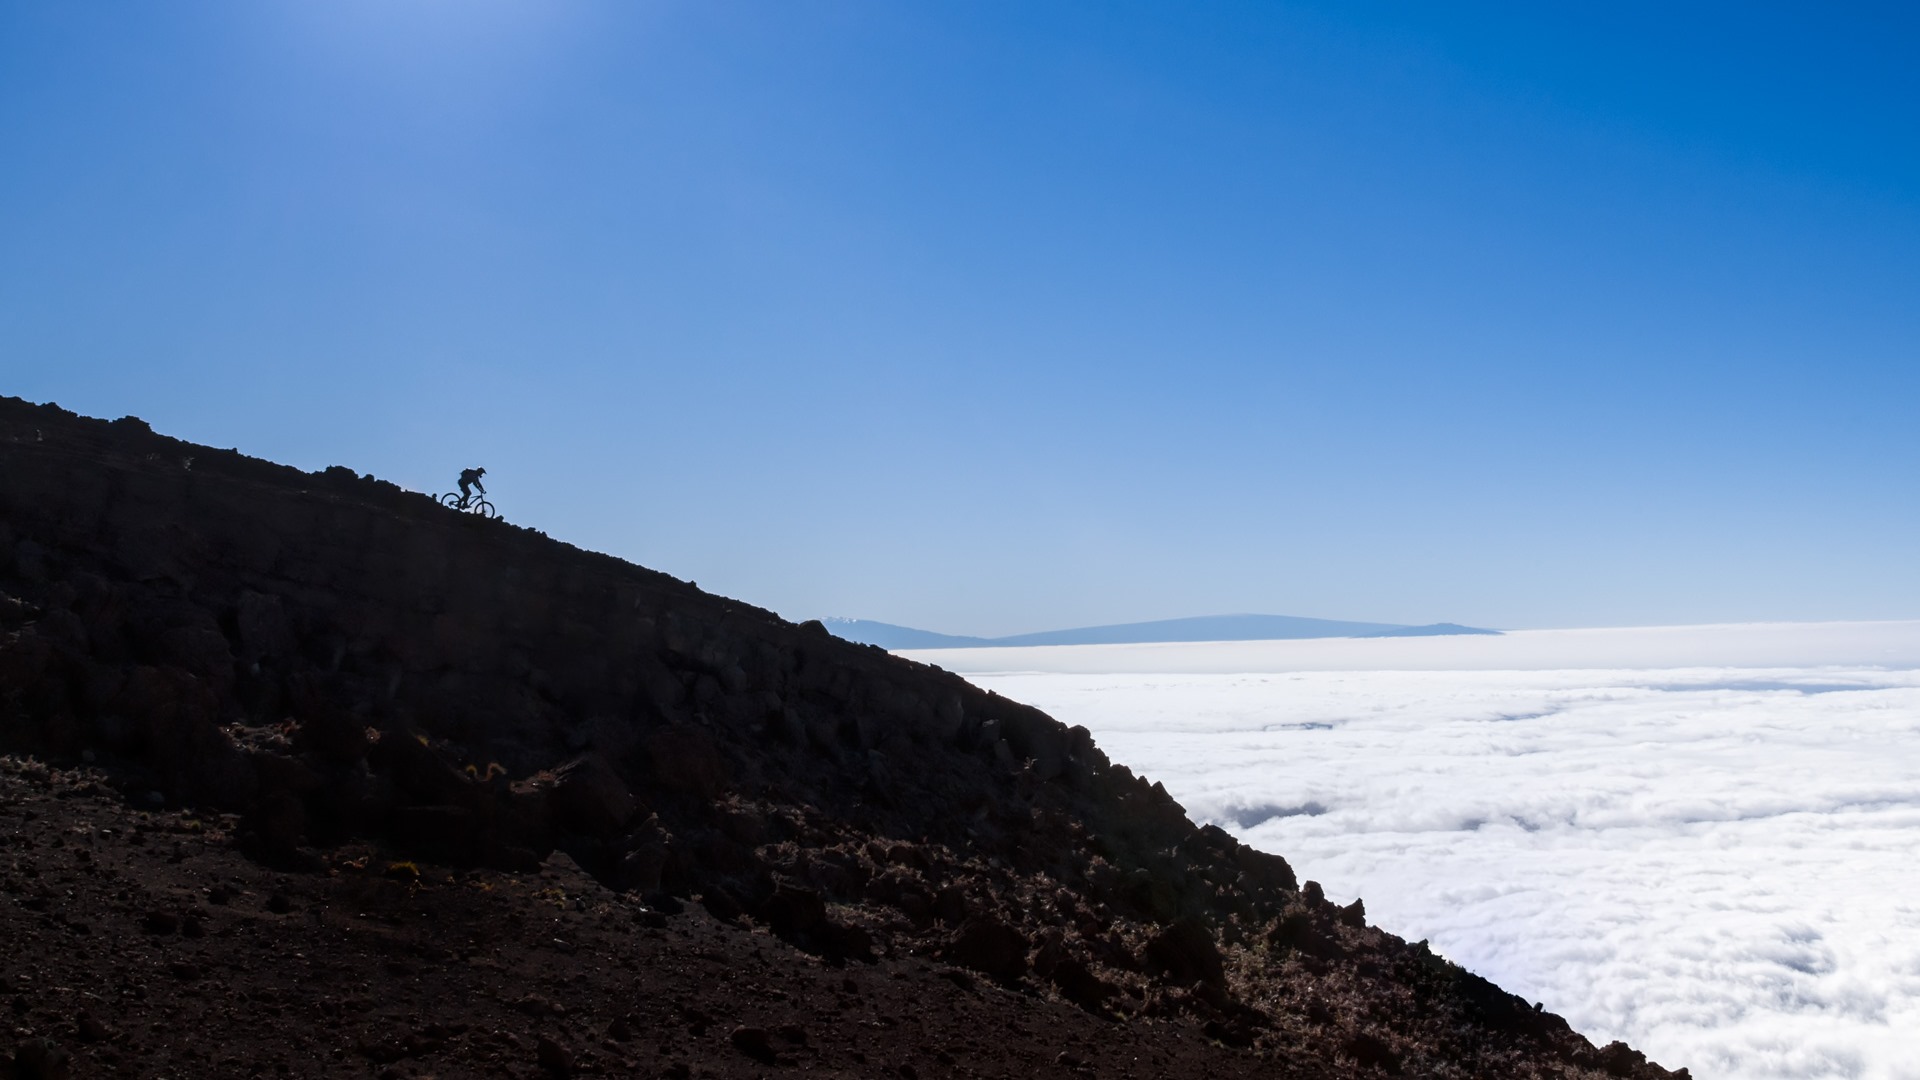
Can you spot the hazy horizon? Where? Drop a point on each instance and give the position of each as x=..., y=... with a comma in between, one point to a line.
x=1342, y=618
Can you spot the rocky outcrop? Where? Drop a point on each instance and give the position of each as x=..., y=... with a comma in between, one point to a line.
x=334, y=658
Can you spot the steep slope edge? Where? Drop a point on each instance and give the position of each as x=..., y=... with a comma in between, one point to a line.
x=335, y=659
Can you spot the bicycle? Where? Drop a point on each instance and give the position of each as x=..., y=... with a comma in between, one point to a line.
x=470, y=504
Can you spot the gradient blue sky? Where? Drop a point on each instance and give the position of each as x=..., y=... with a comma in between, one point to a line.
x=1001, y=316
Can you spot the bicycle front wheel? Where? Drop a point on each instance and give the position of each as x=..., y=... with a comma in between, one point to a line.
x=484, y=509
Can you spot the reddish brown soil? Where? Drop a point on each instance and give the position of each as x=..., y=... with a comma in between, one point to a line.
x=142, y=945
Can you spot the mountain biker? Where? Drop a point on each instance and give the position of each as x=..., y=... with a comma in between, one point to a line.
x=470, y=478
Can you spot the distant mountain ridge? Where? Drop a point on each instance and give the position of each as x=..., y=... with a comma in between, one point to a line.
x=1199, y=628
x=889, y=636
x=1438, y=629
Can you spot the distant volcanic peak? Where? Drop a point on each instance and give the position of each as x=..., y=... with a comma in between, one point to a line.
x=889, y=636
x=1199, y=628
x=1439, y=629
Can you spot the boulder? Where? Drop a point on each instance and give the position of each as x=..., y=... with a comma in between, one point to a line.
x=989, y=946
x=793, y=910
x=1371, y=1051
x=1354, y=914
x=419, y=772
x=1185, y=953
x=589, y=797
x=275, y=826
x=753, y=1042
x=644, y=863
x=843, y=941
x=41, y=1059
x=1619, y=1059
x=1078, y=984
x=1265, y=871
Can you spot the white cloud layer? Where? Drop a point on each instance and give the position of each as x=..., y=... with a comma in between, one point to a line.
x=1702, y=845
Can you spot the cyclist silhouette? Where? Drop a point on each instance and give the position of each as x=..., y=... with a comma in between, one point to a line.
x=472, y=496
x=469, y=479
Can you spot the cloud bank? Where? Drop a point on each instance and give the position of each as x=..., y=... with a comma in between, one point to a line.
x=1715, y=861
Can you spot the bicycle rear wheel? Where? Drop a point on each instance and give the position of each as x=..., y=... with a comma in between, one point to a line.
x=450, y=500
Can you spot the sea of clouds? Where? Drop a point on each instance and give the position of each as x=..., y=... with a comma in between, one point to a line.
x=1703, y=840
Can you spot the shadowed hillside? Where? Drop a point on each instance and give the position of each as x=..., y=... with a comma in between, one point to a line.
x=355, y=677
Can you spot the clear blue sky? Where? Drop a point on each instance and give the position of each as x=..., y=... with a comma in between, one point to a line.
x=1001, y=316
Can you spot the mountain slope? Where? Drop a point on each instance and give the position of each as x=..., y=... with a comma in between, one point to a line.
x=347, y=680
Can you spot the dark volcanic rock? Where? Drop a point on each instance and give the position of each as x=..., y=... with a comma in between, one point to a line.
x=753, y=1042
x=1185, y=952
x=41, y=1059
x=325, y=664
x=553, y=1058
x=990, y=947
x=794, y=911
x=590, y=797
